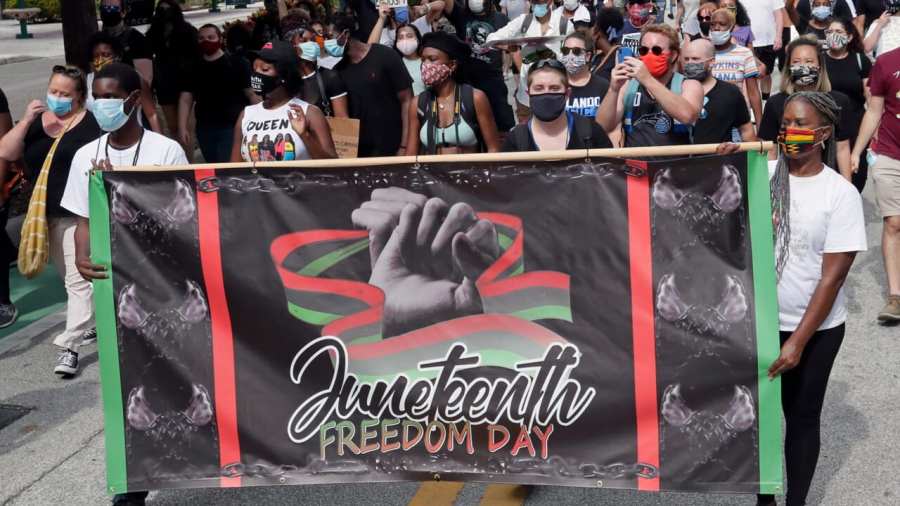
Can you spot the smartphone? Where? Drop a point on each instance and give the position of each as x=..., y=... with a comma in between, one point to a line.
x=624, y=52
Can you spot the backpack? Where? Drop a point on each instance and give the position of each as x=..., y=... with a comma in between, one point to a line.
x=581, y=124
x=526, y=24
x=630, y=94
x=467, y=112
x=326, y=101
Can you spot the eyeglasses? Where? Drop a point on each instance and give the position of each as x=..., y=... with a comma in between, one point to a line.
x=704, y=18
x=656, y=50
x=72, y=72
x=577, y=51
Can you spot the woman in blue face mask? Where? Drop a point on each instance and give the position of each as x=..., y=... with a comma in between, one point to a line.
x=59, y=116
x=322, y=87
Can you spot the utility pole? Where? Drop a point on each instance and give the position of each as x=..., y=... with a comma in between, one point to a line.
x=79, y=23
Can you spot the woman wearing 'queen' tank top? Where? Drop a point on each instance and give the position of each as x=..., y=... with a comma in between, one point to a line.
x=262, y=129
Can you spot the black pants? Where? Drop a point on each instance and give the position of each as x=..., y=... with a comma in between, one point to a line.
x=802, y=394
x=7, y=254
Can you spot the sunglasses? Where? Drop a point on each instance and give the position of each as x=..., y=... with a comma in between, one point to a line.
x=577, y=51
x=72, y=72
x=704, y=18
x=656, y=50
x=548, y=62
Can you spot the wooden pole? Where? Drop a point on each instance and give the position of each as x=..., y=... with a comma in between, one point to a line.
x=79, y=23
x=524, y=156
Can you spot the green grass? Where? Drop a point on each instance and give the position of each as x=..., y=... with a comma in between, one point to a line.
x=35, y=298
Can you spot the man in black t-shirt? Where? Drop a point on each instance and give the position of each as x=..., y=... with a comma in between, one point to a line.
x=869, y=11
x=474, y=20
x=380, y=90
x=725, y=116
x=220, y=87
x=137, y=52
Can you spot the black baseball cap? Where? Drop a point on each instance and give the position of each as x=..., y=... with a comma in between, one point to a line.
x=277, y=53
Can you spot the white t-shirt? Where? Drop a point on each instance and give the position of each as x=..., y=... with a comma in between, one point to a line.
x=268, y=135
x=762, y=18
x=153, y=149
x=890, y=36
x=826, y=217
x=690, y=25
x=515, y=8
x=389, y=35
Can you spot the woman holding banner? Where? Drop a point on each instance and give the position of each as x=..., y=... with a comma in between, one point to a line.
x=550, y=126
x=276, y=78
x=819, y=228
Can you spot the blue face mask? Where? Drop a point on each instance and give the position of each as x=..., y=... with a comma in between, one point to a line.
x=309, y=51
x=59, y=106
x=401, y=15
x=110, y=113
x=333, y=48
x=540, y=10
x=821, y=12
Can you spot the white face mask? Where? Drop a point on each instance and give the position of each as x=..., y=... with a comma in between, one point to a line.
x=570, y=5
x=476, y=6
x=407, y=46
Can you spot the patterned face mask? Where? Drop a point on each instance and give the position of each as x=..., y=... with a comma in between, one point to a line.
x=804, y=75
x=435, y=73
x=794, y=141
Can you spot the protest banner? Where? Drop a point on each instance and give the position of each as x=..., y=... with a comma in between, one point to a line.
x=524, y=318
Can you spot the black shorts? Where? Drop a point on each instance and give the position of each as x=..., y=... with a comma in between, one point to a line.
x=785, y=39
x=766, y=56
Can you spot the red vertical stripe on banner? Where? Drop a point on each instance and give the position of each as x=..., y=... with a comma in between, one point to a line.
x=642, y=326
x=222, y=338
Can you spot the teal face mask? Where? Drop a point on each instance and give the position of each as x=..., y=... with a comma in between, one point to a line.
x=309, y=51
x=59, y=106
x=333, y=48
x=540, y=10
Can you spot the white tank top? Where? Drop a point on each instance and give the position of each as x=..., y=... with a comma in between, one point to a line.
x=268, y=135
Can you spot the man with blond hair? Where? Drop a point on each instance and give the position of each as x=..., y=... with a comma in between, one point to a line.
x=652, y=103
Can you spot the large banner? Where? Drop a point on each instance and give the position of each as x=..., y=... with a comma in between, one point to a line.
x=594, y=322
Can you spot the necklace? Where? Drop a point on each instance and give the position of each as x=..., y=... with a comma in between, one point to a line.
x=137, y=151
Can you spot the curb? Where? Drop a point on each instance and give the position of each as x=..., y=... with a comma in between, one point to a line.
x=18, y=59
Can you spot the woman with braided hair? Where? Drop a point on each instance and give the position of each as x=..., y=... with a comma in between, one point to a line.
x=819, y=226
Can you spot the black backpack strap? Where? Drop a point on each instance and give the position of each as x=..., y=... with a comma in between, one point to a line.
x=526, y=23
x=584, y=129
x=468, y=111
x=425, y=114
x=563, y=24
x=523, y=143
x=326, y=100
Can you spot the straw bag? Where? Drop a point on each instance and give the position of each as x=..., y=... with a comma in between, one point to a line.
x=34, y=244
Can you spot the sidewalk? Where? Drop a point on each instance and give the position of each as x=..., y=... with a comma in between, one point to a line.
x=48, y=39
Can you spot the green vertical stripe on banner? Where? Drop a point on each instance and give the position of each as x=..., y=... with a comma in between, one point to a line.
x=108, y=341
x=767, y=341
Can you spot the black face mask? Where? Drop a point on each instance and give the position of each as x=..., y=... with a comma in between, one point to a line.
x=110, y=15
x=704, y=28
x=549, y=106
x=263, y=84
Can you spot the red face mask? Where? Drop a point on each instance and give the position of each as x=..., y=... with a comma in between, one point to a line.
x=657, y=65
x=209, y=47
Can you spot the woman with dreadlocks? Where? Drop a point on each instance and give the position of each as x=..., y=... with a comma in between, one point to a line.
x=819, y=226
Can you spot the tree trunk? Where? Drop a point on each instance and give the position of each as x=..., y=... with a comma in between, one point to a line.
x=79, y=23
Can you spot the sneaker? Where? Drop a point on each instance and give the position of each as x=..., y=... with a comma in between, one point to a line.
x=89, y=337
x=891, y=311
x=8, y=315
x=66, y=363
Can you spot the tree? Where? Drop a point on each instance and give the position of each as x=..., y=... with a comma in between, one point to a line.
x=79, y=23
